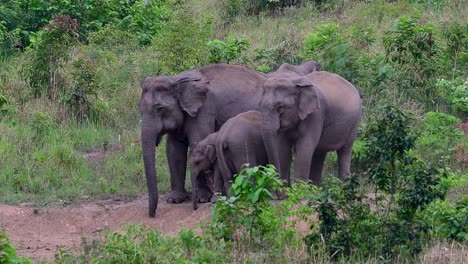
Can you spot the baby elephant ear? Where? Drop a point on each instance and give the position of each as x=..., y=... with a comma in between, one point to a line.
x=211, y=153
x=308, y=101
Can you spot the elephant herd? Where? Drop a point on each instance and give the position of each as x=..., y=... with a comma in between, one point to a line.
x=228, y=115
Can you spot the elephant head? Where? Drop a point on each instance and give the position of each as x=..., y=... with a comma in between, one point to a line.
x=163, y=104
x=285, y=103
x=201, y=160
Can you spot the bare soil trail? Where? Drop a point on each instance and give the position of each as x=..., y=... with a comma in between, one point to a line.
x=37, y=233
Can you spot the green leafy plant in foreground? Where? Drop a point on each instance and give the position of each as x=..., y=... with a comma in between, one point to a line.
x=8, y=252
x=251, y=192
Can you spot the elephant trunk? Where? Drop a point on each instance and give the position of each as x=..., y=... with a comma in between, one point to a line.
x=150, y=134
x=194, y=177
x=270, y=126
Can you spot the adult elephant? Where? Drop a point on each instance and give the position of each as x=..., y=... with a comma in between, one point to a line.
x=320, y=112
x=301, y=69
x=187, y=107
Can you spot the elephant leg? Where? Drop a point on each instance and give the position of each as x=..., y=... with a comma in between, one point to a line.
x=316, y=168
x=285, y=156
x=304, y=152
x=344, y=161
x=176, y=152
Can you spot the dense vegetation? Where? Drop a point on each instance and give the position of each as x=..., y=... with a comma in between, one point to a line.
x=69, y=87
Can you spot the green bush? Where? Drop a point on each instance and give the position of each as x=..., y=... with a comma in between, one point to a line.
x=83, y=86
x=354, y=221
x=438, y=137
x=49, y=53
x=241, y=215
x=8, y=252
x=412, y=48
x=315, y=42
x=455, y=94
x=227, y=51
x=182, y=42
x=456, y=48
x=446, y=220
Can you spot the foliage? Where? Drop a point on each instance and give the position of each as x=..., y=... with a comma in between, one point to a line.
x=412, y=47
x=227, y=51
x=244, y=210
x=314, y=42
x=268, y=59
x=22, y=19
x=456, y=37
x=6, y=107
x=233, y=8
x=8, y=252
x=50, y=51
x=140, y=245
x=455, y=94
x=447, y=220
x=439, y=137
x=182, y=42
x=402, y=186
x=84, y=84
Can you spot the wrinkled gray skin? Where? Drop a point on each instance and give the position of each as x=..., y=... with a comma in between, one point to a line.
x=320, y=112
x=302, y=69
x=188, y=107
x=203, y=162
x=238, y=142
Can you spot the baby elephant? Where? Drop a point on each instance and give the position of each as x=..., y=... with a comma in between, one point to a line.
x=222, y=154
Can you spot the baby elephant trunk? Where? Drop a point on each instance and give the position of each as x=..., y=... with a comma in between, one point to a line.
x=195, y=189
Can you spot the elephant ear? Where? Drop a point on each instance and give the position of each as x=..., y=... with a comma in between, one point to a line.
x=308, y=101
x=210, y=153
x=191, y=89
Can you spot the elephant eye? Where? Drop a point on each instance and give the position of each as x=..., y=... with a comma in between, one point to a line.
x=281, y=109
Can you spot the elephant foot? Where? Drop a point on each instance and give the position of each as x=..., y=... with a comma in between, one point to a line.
x=204, y=195
x=177, y=196
x=281, y=196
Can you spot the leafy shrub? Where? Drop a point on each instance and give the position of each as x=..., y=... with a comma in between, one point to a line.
x=343, y=59
x=8, y=252
x=287, y=51
x=84, y=85
x=243, y=211
x=228, y=50
x=412, y=48
x=50, y=51
x=41, y=124
x=447, y=220
x=363, y=37
x=456, y=37
x=6, y=108
x=138, y=244
x=324, y=35
x=455, y=94
x=402, y=187
x=439, y=137
x=182, y=42
x=23, y=18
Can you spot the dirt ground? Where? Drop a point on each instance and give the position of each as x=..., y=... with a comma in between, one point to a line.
x=37, y=233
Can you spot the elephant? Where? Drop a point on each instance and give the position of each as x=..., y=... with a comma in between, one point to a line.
x=188, y=107
x=238, y=142
x=203, y=162
x=302, y=69
x=320, y=111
